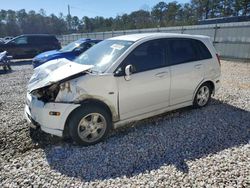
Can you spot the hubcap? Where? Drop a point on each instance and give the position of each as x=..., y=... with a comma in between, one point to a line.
x=92, y=127
x=203, y=95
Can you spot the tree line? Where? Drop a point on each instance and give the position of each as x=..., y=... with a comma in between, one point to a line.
x=163, y=14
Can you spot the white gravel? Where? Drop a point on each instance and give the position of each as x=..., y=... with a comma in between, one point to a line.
x=208, y=147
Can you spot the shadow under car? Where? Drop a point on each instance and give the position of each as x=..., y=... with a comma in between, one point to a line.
x=168, y=139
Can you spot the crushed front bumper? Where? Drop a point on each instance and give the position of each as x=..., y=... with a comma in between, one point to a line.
x=38, y=113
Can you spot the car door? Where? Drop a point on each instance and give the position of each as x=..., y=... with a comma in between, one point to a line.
x=35, y=46
x=186, y=70
x=148, y=88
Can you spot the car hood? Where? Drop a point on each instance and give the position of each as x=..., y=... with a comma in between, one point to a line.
x=54, y=71
x=47, y=54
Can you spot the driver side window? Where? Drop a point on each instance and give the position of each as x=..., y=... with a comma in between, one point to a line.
x=84, y=46
x=148, y=56
x=21, y=40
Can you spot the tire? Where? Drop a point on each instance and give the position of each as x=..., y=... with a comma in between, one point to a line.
x=89, y=125
x=202, y=96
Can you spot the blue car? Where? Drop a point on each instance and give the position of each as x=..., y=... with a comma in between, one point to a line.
x=70, y=51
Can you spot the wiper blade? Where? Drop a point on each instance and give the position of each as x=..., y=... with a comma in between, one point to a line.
x=92, y=71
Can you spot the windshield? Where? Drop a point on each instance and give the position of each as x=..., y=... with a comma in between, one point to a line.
x=70, y=47
x=103, y=54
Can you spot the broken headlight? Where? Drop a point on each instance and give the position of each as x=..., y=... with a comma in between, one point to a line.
x=48, y=93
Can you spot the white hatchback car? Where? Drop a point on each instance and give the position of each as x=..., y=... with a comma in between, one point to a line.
x=121, y=80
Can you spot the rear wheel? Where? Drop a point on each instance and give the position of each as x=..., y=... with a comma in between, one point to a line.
x=202, y=96
x=89, y=125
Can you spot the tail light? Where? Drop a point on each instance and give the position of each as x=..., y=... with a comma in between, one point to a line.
x=218, y=58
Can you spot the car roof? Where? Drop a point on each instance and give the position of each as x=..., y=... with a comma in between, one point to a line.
x=136, y=37
x=86, y=39
x=40, y=35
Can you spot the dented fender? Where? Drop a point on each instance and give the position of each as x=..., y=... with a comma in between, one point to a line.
x=91, y=88
x=86, y=97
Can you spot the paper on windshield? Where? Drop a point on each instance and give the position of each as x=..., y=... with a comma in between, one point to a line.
x=117, y=46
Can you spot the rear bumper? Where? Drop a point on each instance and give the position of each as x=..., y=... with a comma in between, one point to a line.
x=37, y=114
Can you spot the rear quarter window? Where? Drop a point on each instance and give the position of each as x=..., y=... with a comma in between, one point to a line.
x=48, y=40
x=39, y=40
x=203, y=51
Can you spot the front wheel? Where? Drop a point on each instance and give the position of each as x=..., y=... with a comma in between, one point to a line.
x=202, y=96
x=89, y=125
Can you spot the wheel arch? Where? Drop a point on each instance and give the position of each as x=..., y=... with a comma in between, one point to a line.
x=210, y=82
x=86, y=102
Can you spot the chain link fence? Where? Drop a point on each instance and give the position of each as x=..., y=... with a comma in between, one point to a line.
x=232, y=40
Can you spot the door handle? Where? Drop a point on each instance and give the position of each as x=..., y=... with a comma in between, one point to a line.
x=161, y=74
x=198, y=66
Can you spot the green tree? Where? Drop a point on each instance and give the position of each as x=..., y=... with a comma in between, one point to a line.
x=141, y=19
x=12, y=27
x=172, y=13
x=245, y=7
x=75, y=23
x=158, y=12
x=161, y=15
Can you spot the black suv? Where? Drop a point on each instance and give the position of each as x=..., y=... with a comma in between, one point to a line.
x=28, y=46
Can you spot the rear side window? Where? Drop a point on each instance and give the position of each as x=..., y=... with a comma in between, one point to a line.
x=34, y=40
x=41, y=39
x=181, y=51
x=187, y=50
x=47, y=40
x=147, y=56
x=53, y=39
x=84, y=46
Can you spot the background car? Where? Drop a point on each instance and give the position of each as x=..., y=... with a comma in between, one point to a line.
x=70, y=51
x=28, y=46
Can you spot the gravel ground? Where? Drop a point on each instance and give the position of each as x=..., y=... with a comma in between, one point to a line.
x=208, y=147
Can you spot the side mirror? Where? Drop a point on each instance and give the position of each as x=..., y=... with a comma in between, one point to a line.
x=128, y=72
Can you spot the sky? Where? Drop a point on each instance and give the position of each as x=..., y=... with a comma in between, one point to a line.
x=80, y=8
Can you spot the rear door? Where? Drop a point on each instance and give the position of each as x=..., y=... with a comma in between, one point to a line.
x=149, y=86
x=34, y=46
x=186, y=69
x=47, y=43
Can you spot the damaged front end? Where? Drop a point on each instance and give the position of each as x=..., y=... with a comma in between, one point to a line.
x=62, y=91
x=54, y=76
x=48, y=93
x=44, y=104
